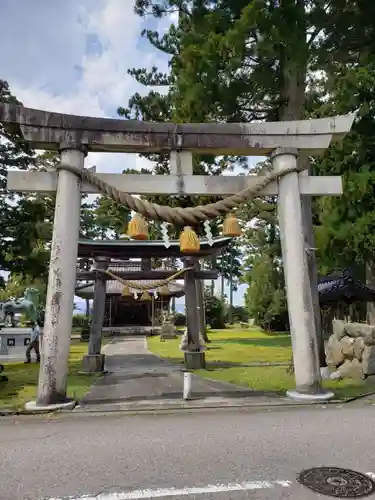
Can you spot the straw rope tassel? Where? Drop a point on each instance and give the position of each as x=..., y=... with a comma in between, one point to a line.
x=231, y=226
x=137, y=228
x=189, y=241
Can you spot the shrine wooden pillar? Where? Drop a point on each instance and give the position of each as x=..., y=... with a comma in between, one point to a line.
x=194, y=355
x=201, y=309
x=93, y=362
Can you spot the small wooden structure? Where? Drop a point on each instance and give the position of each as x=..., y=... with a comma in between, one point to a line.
x=106, y=255
x=127, y=311
x=342, y=297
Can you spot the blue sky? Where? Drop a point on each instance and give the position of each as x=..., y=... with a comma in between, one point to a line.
x=73, y=57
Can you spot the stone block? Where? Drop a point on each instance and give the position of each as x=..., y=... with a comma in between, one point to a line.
x=347, y=347
x=368, y=361
x=359, y=330
x=194, y=360
x=358, y=348
x=93, y=363
x=351, y=350
x=351, y=369
x=338, y=328
x=334, y=355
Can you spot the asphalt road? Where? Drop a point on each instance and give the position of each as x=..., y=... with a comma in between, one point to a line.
x=119, y=457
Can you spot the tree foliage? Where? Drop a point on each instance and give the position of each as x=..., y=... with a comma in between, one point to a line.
x=345, y=225
x=22, y=217
x=215, y=309
x=170, y=105
x=283, y=60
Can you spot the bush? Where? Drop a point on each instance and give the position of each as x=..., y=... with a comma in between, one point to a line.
x=180, y=319
x=79, y=320
x=85, y=330
x=215, y=310
x=239, y=315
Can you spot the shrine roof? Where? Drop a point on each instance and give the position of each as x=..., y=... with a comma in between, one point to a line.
x=343, y=288
x=148, y=248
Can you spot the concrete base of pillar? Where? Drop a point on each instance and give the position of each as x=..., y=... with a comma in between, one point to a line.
x=194, y=360
x=93, y=363
x=325, y=373
x=313, y=397
x=33, y=407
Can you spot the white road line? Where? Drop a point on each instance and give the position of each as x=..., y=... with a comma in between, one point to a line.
x=175, y=492
x=198, y=490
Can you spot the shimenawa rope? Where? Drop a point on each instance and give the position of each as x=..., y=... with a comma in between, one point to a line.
x=155, y=284
x=177, y=215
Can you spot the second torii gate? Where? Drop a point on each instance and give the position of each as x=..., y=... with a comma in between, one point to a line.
x=75, y=136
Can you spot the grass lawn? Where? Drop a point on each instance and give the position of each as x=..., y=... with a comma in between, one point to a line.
x=235, y=347
x=22, y=384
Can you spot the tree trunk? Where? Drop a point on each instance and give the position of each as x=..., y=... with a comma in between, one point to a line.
x=294, y=69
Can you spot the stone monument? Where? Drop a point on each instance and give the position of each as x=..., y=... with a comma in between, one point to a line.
x=168, y=330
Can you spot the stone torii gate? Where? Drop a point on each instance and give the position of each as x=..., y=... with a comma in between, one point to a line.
x=75, y=136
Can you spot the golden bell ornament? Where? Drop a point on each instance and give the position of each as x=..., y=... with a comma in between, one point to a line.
x=137, y=228
x=231, y=227
x=164, y=290
x=189, y=241
x=145, y=296
x=126, y=291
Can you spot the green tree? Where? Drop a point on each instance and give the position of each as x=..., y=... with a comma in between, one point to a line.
x=16, y=285
x=265, y=297
x=215, y=309
x=110, y=218
x=21, y=217
x=156, y=106
x=244, y=61
x=230, y=61
x=239, y=314
x=344, y=225
x=229, y=264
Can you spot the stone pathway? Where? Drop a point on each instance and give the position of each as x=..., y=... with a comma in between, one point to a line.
x=137, y=380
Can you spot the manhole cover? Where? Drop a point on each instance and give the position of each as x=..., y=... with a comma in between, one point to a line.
x=336, y=482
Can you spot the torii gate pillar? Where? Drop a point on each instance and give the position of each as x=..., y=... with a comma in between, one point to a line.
x=57, y=330
x=300, y=306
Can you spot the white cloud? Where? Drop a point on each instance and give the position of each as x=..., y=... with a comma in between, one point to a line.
x=73, y=57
